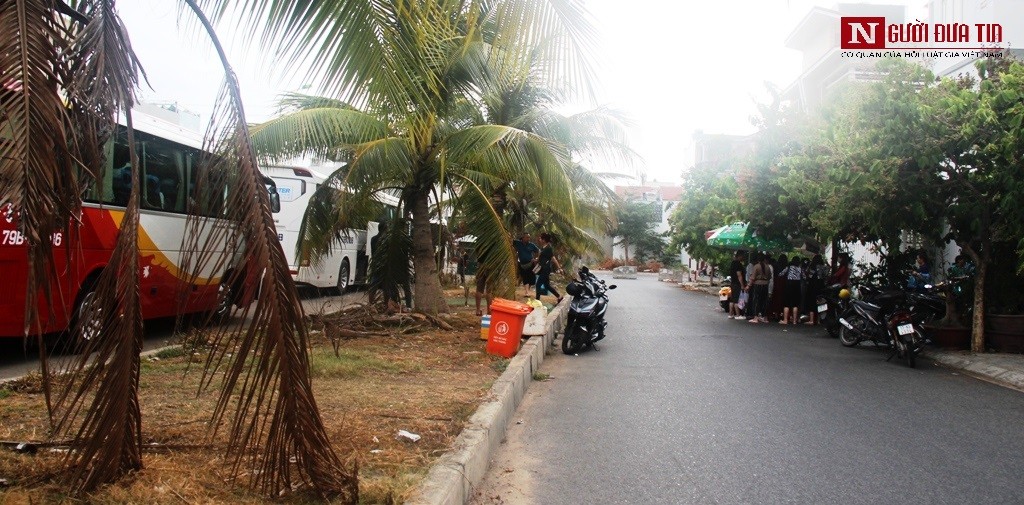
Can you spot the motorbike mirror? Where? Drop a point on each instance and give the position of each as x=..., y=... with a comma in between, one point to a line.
x=612, y=286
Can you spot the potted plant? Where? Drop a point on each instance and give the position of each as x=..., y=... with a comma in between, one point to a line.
x=950, y=332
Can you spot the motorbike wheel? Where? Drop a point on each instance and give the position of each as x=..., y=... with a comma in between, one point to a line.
x=909, y=356
x=846, y=336
x=832, y=326
x=574, y=338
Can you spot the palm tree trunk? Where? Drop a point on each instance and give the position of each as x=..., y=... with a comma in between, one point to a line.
x=429, y=297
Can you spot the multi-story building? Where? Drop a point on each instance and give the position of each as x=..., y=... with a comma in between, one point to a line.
x=823, y=66
x=1008, y=14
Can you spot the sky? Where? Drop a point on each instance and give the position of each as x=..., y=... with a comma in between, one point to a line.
x=673, y=67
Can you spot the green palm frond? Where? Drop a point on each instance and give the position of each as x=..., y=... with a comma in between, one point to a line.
x=512, y=154
x=390, y=270
x=493, y=240
x=290, y=102
x=323, y=132
x=596, y=135
x=341, y=42
x=334, y=209
x=557, y=32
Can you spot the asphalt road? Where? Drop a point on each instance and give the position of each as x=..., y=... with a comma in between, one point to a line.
x=682, y=405
x=17, y=360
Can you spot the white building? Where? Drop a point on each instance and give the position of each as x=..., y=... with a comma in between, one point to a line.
x=816, y=36
x=665, y=196
x=1009, y=14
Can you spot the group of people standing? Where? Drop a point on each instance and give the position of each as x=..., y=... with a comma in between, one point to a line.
x=534, y=264
x=766, y=289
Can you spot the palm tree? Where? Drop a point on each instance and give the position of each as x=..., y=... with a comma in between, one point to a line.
x=408, y=72
x=517, y=97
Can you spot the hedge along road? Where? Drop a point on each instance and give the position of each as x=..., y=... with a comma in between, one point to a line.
x=16, y=360
x=682, y=405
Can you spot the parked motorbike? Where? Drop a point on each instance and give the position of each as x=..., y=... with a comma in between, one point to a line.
x=832, y=302
x=724, y=294
x=586, y=324
x=927, y=305
x=885, y=320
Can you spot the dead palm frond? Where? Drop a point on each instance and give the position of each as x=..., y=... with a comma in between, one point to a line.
x=35, y=175
x=105, y=375
x=275, y=428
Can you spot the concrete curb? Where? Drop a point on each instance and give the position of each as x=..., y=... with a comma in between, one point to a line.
x=452, y=478
x=988, y=371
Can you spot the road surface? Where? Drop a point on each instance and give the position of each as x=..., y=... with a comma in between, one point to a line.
x=682, y=405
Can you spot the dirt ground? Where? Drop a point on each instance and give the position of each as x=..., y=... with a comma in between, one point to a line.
x=427, y=382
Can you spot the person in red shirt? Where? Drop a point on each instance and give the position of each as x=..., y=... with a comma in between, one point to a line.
x=842, y=274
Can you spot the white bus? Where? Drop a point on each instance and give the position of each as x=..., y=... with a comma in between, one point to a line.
x=348, y=263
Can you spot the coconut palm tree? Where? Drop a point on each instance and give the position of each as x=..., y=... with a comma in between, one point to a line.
x=410, y=71
x=517, y=97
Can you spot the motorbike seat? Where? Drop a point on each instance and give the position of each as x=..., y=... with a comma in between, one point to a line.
x=868, y=306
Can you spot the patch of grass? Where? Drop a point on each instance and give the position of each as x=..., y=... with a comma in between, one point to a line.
x=500, y=365
x=462, y=301
x=463, y=411
x=540, y=376
x=350, y=364
x=4, y=393
x=171, y=352
x=391, y=489
x=168, y=367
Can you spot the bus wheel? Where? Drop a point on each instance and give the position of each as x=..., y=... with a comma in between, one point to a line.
x=343, y=274
x=225, y=299
x=87, y=320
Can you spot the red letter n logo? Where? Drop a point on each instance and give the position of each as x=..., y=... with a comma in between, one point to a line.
x=862, y=33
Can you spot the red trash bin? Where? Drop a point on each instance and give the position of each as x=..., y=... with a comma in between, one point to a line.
x=507, y=319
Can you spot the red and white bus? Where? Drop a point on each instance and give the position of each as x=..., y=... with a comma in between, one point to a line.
x=168, y=156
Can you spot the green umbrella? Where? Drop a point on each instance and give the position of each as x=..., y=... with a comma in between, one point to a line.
x=739, y=236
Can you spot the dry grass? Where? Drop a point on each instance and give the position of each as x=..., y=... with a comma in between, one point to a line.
x=427, y=383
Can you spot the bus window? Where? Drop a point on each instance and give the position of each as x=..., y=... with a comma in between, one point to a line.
x=116, y=184
x=275, y=195
x=163, y=168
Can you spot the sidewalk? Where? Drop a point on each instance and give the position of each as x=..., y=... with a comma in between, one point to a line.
x=1003, y=369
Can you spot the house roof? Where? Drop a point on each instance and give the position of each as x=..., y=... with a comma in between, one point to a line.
x=810, y=25
x=665, y=193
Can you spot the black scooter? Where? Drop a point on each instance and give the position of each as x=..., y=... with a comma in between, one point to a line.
x=831, y=303
x=886, y=320
x=586, y=324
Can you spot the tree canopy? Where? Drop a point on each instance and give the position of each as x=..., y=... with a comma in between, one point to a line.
x=907, y=155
